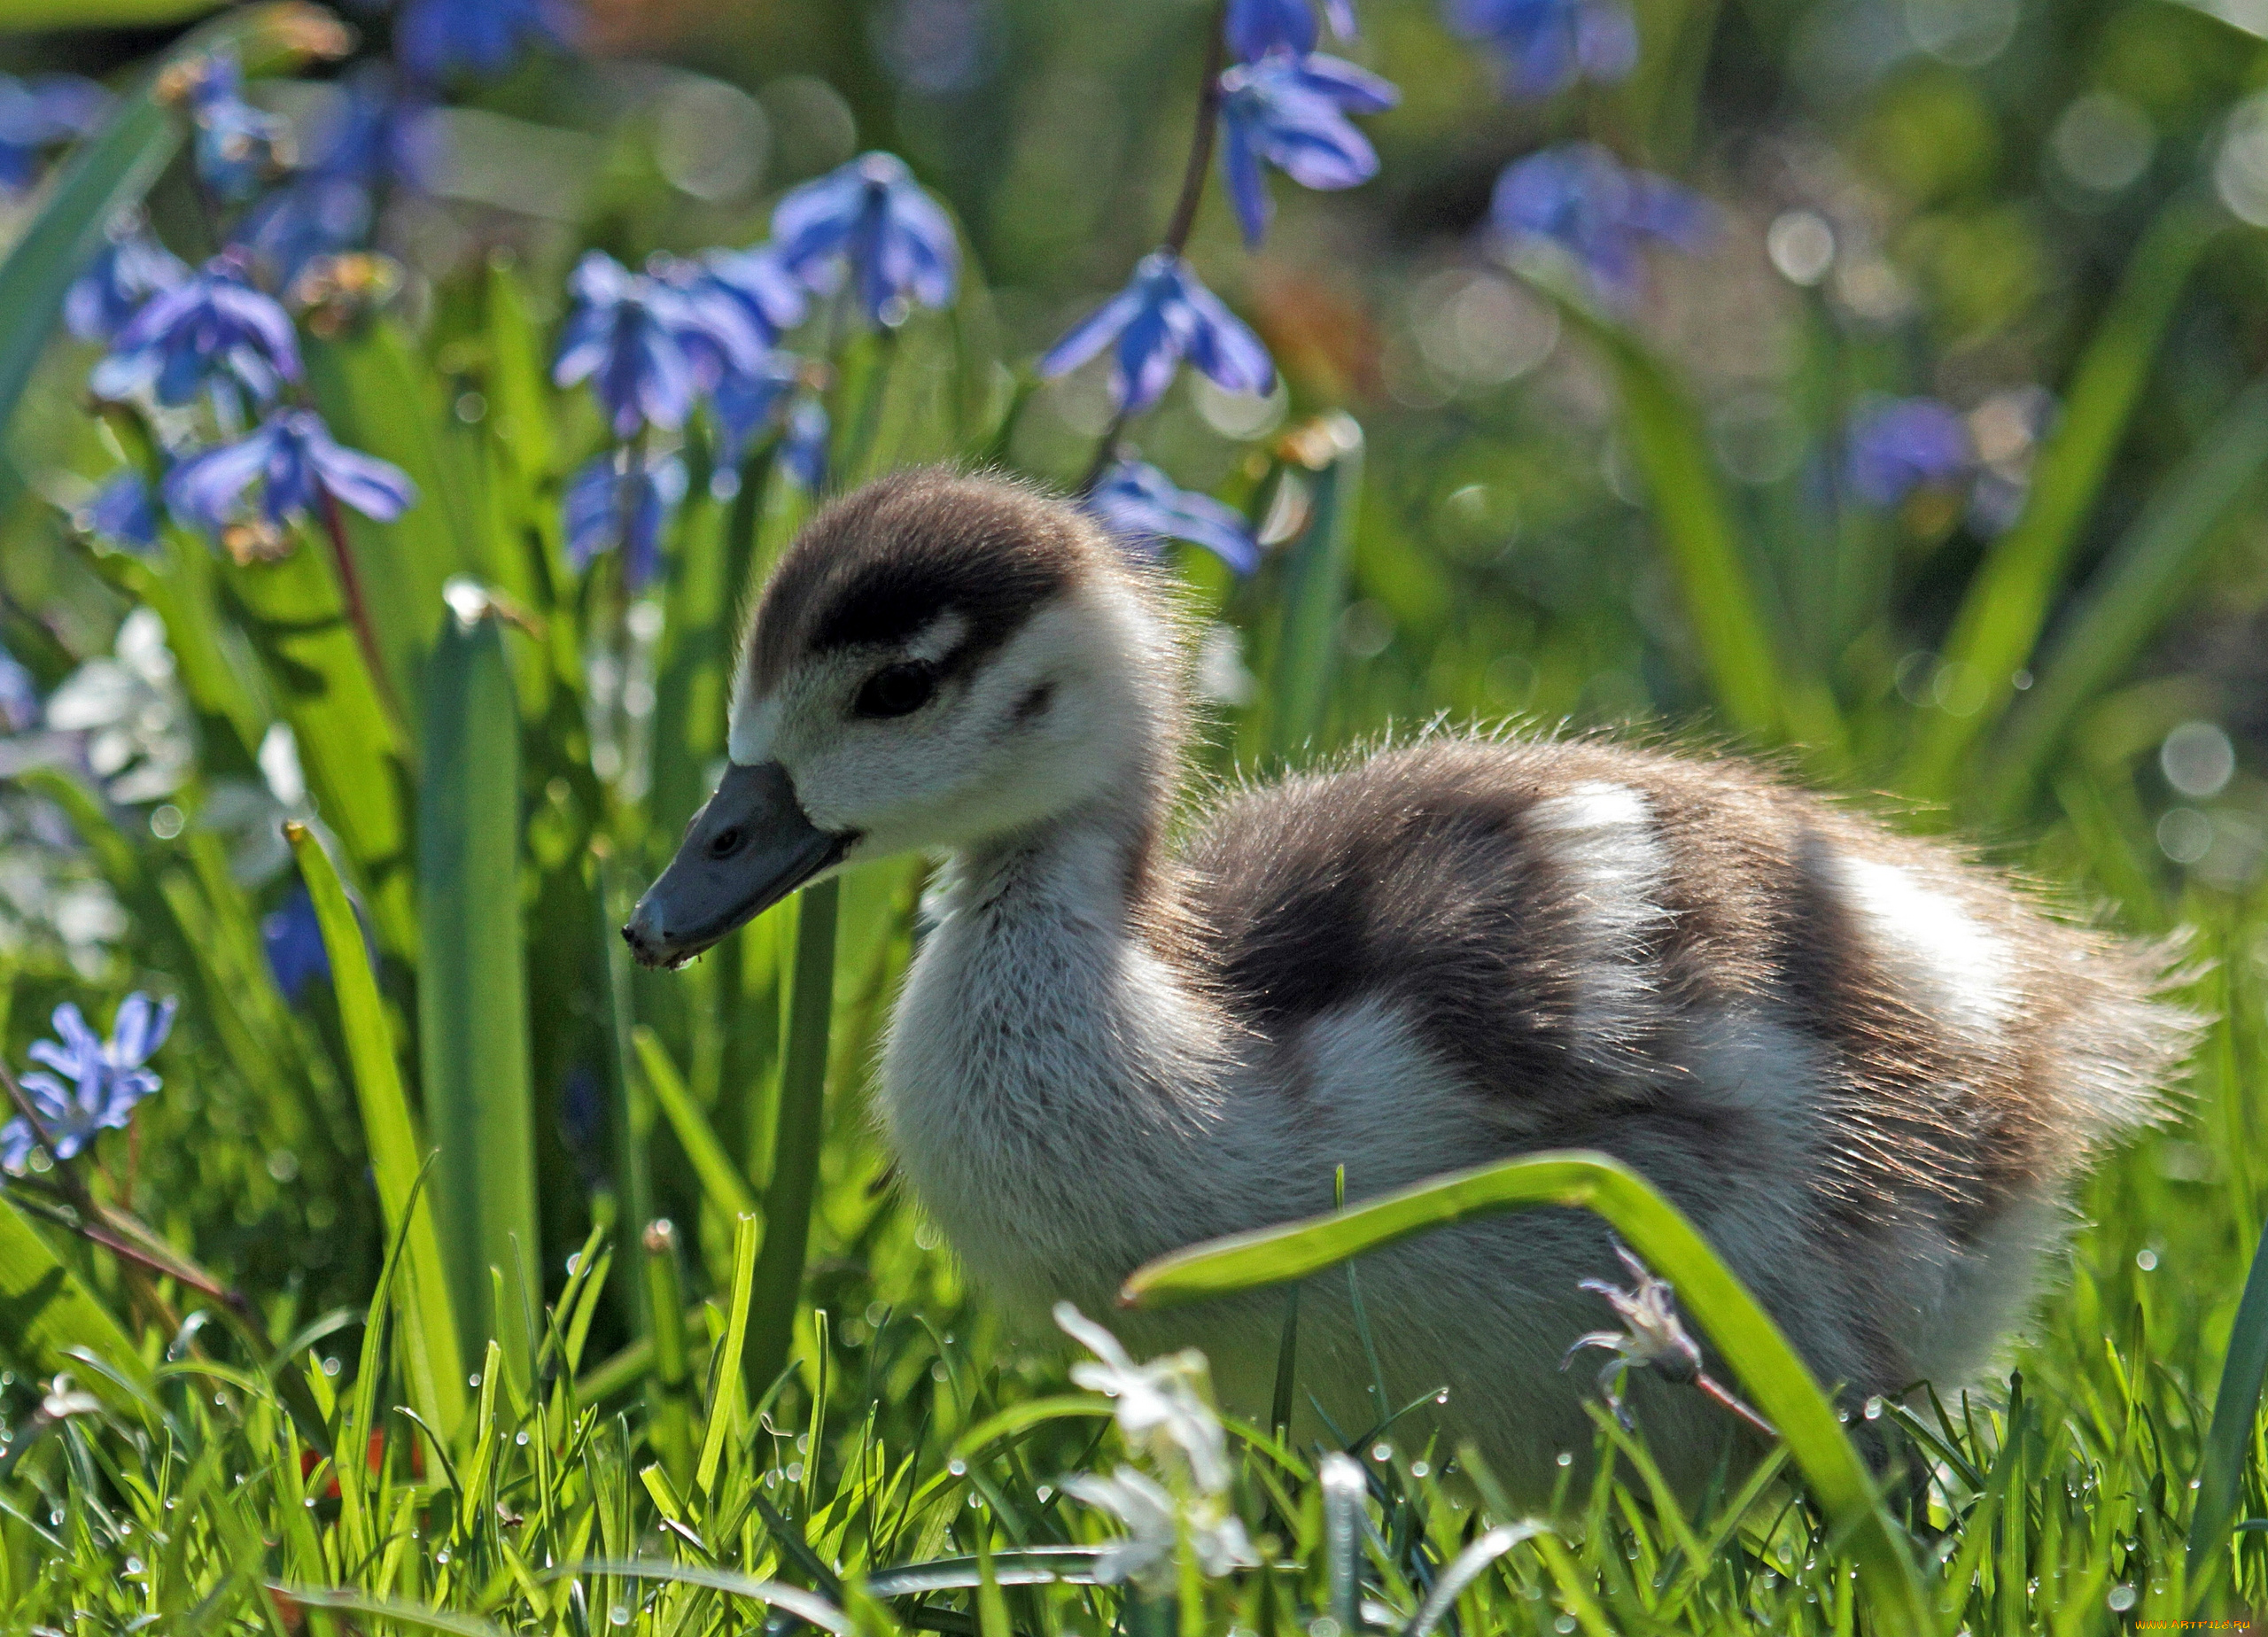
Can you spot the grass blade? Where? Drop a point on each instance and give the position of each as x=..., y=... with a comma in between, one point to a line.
x=2131, y=596
x=795, y=1144
x=669, y=1392
x=2007, y=603
x=720, y=1179
x=1306, y=631
x=727, y=1408
x=1723, y=599
x=471, y=989
x=417, y=1616
x=432, y=1361
x=44, y=1310
x=1468, y=1566
x=1752, y=1343
x=791, y=1599
x=2228, y=1440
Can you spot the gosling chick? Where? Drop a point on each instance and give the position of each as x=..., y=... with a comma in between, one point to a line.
x=1866, y=1068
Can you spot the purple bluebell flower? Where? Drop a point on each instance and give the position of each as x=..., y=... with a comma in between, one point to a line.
x=123, y=513
x=1897, y=445
x=873, y=218
x=1163, y=316
x=1142, y=507
x=236, y=146
x=36, y=115
x=370, y=135
x=626, y=335
x=622, y=497
x=292, y=939
x=212, y=323
x=1579, y=198
x=747, y=402
x=719, y=331
x=435, y=39
x=19, y=707
x=125, y=273
x=803, y=444
x=772, y=298
x=1257, y=28
x=296, y=462
x=1291, y=112
x=107, y=1078
x=1547, y=45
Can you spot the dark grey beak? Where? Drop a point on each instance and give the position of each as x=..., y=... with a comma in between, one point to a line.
x=748, y=849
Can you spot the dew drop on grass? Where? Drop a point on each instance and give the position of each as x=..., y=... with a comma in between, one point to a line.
x=619, y=1614
x=521, y=1440
x=2121, y=1598
x=795, y=1471
x=1421, y=1468
x=1564, y=1459
x=1442, y=1397
x=134, y=1565
x=2146, y=1258
x=957, y=1467
x=1381, y=1451
x=1565, y=1623
x=1874, y=1409
x=473, y=1380
x=442, y=1556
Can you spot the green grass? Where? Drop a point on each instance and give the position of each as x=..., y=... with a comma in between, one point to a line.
x=651, y=1345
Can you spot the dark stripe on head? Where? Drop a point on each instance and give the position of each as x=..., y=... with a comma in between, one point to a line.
x=880, y=565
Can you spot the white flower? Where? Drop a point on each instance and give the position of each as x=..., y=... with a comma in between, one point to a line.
x=1155, y=1523
x=1653, y=1336
x=130, y=708
x=1162, y=1409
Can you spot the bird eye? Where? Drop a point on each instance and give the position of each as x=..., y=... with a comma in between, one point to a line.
x=896, y=690
x=726, y=842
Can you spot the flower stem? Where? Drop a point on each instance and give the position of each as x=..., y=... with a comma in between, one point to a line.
x=358, y=610
x=1184, y=208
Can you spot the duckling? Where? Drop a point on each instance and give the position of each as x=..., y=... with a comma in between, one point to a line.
x=1865, y=1067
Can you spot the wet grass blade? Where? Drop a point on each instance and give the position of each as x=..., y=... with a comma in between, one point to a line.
x=471, y=989
x=1776, y=1380
x=2228, y=1442
x=795, y=1143
x=720, y=1179
x=2137, y=588
x=433, y=1362
x=2007, y=603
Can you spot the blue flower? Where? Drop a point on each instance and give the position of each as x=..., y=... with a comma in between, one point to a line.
x=212, y=323
x=123, y=513
x=1163, y=316
x=622, y=497
x=236, y=146
x=803, y=445
x=1897, y=445
x=370, y=136
x=772, y=298
x=19, y=694
x=615, y=337
x=1547, y=45
x=747, y=401
x=36, y=115
x=721, y=328
x=1579, y=198
x=1139, y=505
x=125, y=273
x=107, y=1079
x=1258, y=27
x=1291, y=112
x=436, y=38
x=292, y=939
x=294, y=458
x=871, y=216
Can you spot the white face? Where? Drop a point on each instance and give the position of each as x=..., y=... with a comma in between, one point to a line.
x=1047, y=720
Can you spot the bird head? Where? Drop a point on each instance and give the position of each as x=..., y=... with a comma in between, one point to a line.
x=938, y=660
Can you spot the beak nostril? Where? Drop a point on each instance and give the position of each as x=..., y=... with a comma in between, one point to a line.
x=630, y=936
x=726, y=842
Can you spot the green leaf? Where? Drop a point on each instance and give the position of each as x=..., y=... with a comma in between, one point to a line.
x=1752, y=1343
x=795, y=1143
x=1315, y=592
x=720, y=1179
x=417, y=1616
x=472, y=1009
x=1724, y=599
x=2007, y=603
x=2147, y=573
x=111, y=170
x=2228, y=1439
x=44, y=1311
x=433, y=1363
x=24, y=16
